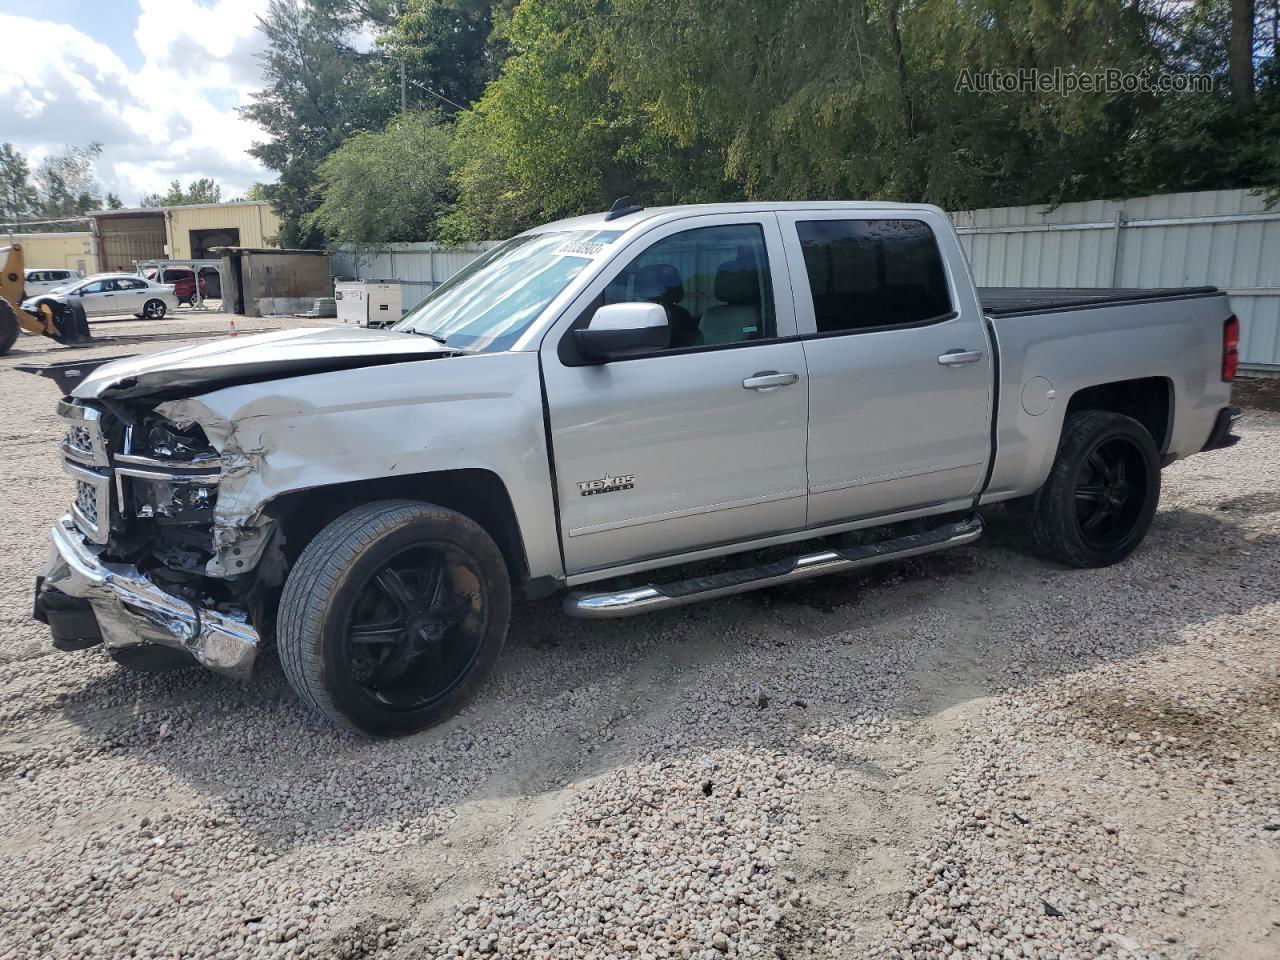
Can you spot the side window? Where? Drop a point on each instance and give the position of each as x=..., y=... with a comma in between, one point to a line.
x=130, y=284
x=58, y=274
x=97, y=287
x=873, y=273
x=713, y=281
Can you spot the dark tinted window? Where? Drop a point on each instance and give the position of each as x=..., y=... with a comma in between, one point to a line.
x=873, y=273
x=713, y=281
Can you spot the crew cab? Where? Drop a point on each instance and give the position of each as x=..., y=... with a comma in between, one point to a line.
x=639, y=409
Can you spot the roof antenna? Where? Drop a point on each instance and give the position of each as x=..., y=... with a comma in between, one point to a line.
x=621, y=207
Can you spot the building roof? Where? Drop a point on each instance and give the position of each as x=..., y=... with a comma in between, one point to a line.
x=123, y=211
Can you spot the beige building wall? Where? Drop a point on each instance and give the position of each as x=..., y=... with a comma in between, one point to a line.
x=249, y=224
x=72, y=251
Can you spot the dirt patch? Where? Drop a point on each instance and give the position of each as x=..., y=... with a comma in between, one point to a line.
x=1239, y=719
x=1261, y=393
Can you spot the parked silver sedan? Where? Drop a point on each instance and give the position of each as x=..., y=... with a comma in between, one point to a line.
x=110, y=293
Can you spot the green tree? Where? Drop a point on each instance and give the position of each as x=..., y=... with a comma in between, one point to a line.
x=387, y=186
x=319, y=91
x=66, y=183
x=114, y=202
x=448, y=48
x=201, y=190
x=17, y=197
x=551, y=137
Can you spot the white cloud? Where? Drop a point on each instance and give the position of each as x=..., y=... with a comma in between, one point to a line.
x=173, y=117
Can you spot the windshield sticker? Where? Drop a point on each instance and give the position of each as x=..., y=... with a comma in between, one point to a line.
x=579, y=248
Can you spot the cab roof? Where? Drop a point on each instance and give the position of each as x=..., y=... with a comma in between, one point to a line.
x=601, y=221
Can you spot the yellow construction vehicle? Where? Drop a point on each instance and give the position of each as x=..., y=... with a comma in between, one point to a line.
x=65, y=323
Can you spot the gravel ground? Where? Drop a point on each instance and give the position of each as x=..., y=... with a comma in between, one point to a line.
x=977, y=754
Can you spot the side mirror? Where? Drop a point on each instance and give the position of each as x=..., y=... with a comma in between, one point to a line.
x=624, y=329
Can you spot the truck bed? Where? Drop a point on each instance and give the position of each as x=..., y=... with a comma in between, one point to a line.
x=1015, y=301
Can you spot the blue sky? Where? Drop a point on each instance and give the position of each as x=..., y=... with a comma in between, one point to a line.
x=110, y=22
x=157, y=82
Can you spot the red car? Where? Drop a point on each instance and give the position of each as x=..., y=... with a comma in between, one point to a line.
x=183, y=280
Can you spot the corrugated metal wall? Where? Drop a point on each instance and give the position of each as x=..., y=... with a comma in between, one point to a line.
x=73, y=251
x=1222, y=238
x=420, y=267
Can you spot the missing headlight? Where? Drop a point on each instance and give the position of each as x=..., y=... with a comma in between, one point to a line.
x=176, y=500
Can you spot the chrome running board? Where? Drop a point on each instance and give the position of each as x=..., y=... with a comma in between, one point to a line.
x=633, y=600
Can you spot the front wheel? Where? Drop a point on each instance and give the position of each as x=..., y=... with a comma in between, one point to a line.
x=154, y=310
x=393, y=616
x=1102, y=491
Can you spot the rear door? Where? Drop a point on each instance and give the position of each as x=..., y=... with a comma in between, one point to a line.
x=900, y=375
x=131, y=293
x=685, y=447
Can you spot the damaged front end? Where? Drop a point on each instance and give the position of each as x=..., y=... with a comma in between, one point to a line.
x=131, y=562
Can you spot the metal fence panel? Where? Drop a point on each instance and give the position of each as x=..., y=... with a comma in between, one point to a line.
x=1223, y=238
x=419, y=267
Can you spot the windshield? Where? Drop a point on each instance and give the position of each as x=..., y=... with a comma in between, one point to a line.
x=487, y=305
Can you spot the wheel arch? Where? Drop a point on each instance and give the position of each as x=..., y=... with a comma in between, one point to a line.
x=476, y=493
x=1149, y=400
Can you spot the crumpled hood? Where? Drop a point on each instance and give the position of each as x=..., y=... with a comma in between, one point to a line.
x=224, y=362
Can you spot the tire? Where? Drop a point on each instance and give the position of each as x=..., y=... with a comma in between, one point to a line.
x=358, y=645
x=1102, y=492
x=8, y=327
x=73, y=324
x=154, y=310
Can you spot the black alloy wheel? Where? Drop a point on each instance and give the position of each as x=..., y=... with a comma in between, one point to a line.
x=1101, y=495
x=1111, y=486
x=393, y=615
x=408, y=639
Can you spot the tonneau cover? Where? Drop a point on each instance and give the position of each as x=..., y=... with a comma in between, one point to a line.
x=1010, y=301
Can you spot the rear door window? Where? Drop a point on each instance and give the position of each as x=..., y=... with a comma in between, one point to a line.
x=873, y=274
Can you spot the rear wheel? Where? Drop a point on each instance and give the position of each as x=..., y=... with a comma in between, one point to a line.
x=392, y=617
x=154, y=310
x=1102, y=491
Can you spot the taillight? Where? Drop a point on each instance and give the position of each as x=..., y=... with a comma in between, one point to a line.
x=1230, y=348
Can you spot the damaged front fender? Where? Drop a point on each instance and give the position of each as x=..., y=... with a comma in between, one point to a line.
x=278, y=437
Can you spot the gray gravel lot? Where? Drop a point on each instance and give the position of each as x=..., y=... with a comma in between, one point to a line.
x=977, y=754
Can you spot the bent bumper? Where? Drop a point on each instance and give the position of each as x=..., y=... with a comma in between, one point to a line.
x=131, y=610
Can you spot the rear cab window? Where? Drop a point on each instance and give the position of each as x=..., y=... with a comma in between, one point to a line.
x=873, y=274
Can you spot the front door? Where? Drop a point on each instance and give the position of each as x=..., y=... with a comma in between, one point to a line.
x=97, y=297
x=900, y=374
x=696, y=445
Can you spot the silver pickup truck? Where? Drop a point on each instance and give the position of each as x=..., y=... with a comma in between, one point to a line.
x=642, y=408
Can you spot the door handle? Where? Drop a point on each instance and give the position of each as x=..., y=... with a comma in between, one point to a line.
x=769, y=380
x=957, y=358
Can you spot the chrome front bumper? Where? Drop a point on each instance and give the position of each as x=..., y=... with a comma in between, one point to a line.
x=131, y=610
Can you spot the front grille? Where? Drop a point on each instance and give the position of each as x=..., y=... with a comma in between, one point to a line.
x=80, y=440
x=84, y=446
x=87, y=502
